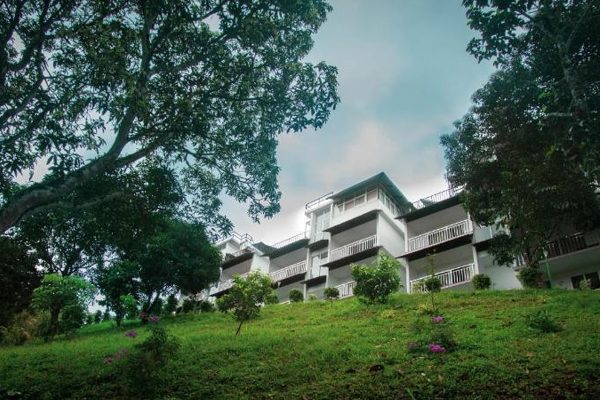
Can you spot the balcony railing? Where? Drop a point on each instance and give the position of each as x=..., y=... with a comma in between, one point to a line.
x=316, y=202
x=440, y=235
x=572, y=243
x=288, y=272
x=290, y=240
x=353, y=248
x=224, y=285
x=346, y=289
x=436, y=198
x=448, y=278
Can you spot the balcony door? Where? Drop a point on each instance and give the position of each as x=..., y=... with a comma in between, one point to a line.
x=316, y=261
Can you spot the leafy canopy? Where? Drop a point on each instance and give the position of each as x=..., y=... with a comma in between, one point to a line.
x=528, y=150
x=204, y=87
x=375, y=283
x=246, y=297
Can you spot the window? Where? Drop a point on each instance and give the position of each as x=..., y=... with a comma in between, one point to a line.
x=592, y=276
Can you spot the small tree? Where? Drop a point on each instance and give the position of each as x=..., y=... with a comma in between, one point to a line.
x=376, y=282
x=98, y=316
x=246, y=297
x=296, y=296
x=58, y=293
x=432, y=284
x=171, y=305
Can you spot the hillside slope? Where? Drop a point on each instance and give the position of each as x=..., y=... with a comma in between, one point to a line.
x=340, y=350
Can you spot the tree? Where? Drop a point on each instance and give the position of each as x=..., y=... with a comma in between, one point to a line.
x=115, y=283
x=375, y=283
x=91, y=88
x=246, y=297
x=58, y=293
x=527, y=151
x=179, y=258
x=18, y=278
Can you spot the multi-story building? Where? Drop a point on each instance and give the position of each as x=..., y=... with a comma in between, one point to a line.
x=354, y=224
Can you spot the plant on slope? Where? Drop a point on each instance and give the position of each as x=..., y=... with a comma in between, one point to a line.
x=296, y=296
x=481, y=282
x=246, y=297
x=331, y=293
x=375, y=283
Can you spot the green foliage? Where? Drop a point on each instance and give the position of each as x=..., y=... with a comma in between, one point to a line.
x=119, y=286
x=296, y=296
x=18, y=278
x=72, y=318
x=542, y=321
x=171, y=305
x=143, y=367
x=585, y=284
x=481, y=281
x=133, y=70
x=130, y=306
x=22, y=328
x=432, y=284
x=68, y=295
x=98, y=316
x=312, y=297
x=206, y=306
x=527, y=152
x=246, y=297
x=331, y=293
x=531, y=277
x=375, y=283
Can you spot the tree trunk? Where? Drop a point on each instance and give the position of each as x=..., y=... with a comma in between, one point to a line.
x=53, y=324
x=239, y=328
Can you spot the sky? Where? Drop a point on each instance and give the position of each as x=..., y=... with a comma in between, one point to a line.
x=404, y=77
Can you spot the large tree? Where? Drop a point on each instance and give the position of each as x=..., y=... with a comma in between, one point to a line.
x=528, y=150
x=90, y=87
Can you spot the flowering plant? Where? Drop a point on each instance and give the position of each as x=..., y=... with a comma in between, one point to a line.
x=437, y=319
x=436, y=348
x=154, y=319
x=131, y=334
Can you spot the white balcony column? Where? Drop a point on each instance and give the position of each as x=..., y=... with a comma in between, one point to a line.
x=475, y=260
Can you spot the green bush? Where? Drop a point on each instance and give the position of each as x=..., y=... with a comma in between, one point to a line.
x=531, y=277
x=22, y=328
x=542, y=321
x=331, y=293
x=481, y=282
x=141, y=369
x=312, y=297
x=433, y=284
x=171, y=305
x=296, y=296
x=206, y=306
x=375, y=283
x=71, y=319
x=188, y=305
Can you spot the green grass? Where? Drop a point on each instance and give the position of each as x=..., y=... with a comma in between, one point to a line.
x=322, y=350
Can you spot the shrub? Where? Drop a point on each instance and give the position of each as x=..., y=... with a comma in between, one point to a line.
x=141, y=368
x=542, y=321
x=585, y=284
x=246, y=297
x=481, y=282
x=188, y=305
x=312, y=297
x=531, y=277
x=376, y=282
x=331, y=293
x=130, y=306
x=71, y=319
x=171, y=305
x=296, y=296
x=433, y=284
x=97, y=317
x=22, y=328
x=206, y=306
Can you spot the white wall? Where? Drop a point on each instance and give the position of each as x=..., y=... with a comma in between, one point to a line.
x=503, y=277
x=390, y=236
x=260, y=263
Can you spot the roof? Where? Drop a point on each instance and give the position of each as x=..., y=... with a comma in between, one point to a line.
x=263, y=248
x=379, y=179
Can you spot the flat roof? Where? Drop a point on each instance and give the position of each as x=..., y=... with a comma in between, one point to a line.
x=379, y=179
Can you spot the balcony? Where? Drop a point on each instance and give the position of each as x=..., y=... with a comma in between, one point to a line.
x=224, y=285
x=448, y=278
x=435, y=198
x=288, y=272
x=353, y=248
x=290, y=240
x=441, y=235
x=572, y=243
x=346, y=289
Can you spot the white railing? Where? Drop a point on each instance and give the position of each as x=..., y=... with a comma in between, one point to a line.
x=353, y=248
x=290, y=240
x=346, y=289
x=287, y=272
x=316, y=202
x=437, y=197
x=572, y=243
x=448, y=278
x=224, y=285
x=440, y=235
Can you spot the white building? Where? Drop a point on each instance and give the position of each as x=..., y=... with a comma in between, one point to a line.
x=352, y=225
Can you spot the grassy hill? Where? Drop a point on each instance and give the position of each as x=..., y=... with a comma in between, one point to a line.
x=340, y=350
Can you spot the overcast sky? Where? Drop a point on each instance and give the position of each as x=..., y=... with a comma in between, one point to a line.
x=404, y=77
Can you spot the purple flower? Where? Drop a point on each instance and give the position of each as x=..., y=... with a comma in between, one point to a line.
x=412, y=346
x=154, y=319
x=108, y=360
x=131, y=334
x=437, y=320
x=436, y=348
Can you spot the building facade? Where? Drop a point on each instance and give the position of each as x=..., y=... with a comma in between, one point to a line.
x=432, y=235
